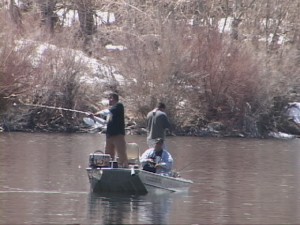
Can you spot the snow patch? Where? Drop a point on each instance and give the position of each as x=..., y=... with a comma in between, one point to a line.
x=96, y=73
x=71, y=17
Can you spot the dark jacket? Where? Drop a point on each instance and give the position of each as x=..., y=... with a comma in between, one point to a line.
x=116, y=125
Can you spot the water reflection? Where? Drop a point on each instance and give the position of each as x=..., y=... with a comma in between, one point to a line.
x=41, y=207
x=129, y=209
x=236, y=181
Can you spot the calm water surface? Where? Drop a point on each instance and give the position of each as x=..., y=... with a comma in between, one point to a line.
x=236, y=181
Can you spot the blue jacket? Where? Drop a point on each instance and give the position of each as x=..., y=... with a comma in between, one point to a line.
x=166, y=160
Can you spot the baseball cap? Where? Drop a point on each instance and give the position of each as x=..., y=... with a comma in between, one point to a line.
x=159, y=140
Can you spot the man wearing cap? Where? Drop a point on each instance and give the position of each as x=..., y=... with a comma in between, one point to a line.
x=157, y=159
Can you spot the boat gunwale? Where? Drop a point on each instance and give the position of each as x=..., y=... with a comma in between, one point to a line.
x=141, y=171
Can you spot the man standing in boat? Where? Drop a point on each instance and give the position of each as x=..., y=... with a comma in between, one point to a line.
x=115, y=132
x=157, y=123
x=157, y=159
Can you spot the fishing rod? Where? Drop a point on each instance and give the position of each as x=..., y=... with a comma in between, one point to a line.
x=89, y=121
x=52, y=107
x=186, y=166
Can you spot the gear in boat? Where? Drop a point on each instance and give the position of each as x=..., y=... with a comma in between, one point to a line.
x=106, y=176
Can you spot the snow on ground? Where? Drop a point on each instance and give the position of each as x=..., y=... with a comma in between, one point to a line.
x=70, y=17
x=224, y=24
x=96, y=72
x=281, y=135
x=115, y=47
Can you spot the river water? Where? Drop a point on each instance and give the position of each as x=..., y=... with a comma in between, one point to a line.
x=236, y=181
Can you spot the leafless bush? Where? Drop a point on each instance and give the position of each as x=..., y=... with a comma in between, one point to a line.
x=196, y=71
x=60, y=85
x=15, y=68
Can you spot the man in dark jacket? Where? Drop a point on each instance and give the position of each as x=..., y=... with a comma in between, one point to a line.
x=115, y=132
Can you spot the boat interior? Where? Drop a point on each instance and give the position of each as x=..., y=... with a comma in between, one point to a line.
x=133, y=153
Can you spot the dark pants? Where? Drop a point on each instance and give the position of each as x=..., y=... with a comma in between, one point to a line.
x=149, y=168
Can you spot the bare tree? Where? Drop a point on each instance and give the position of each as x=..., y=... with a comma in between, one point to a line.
x=86, y=10
x=15, y=14
x=49, y=17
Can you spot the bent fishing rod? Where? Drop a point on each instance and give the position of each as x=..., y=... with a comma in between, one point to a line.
x=52, y=107
x=95, y=118
x=101, y=121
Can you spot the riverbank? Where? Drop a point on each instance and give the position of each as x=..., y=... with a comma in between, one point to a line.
x=214, y=129
x=24, y=118
x=215, y=82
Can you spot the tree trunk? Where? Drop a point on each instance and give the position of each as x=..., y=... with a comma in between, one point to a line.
x=49, y=18
x=86, y=16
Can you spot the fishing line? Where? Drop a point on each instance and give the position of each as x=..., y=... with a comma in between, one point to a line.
x=89, y=121
x=52, y=107
x=186, y=166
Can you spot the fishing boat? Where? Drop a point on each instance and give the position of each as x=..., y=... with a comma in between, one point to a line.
x=105, y=176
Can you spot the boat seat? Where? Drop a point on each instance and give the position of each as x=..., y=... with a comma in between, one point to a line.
x=133, y=153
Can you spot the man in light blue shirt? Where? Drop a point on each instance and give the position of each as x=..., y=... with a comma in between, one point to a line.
x=157, y=159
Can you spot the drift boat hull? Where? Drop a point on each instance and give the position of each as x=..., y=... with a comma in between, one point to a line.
x=132, y=181
x=105, y=176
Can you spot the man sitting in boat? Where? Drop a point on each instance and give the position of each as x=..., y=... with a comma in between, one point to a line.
x=157, y=159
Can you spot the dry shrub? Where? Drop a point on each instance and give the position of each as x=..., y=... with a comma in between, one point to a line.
x=151, y=63
x=222, y=80
x=282, y=86
x=198, y=73
x=42, y=74
x=15, y=67
x=201, y=74
x=59, y=85
x=284, y=69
